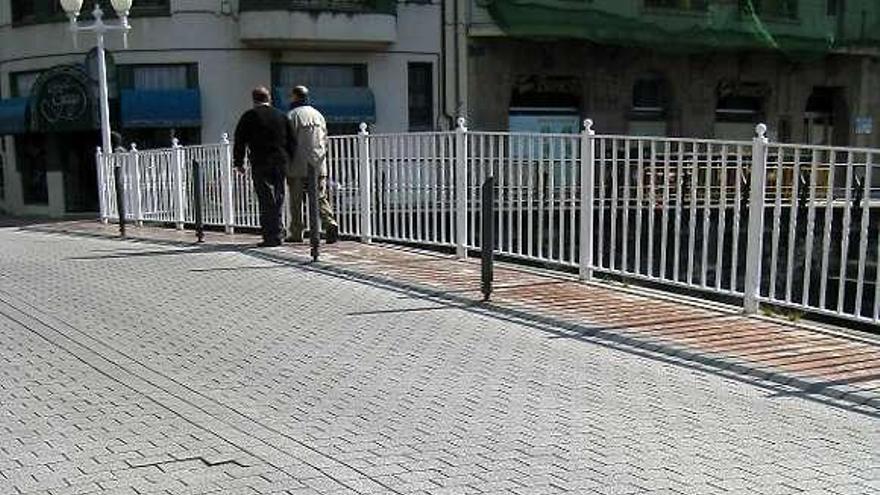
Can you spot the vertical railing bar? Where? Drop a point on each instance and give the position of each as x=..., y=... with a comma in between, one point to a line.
x=560, y=212
x=399, y=186
x=499, y=198
x=692, y=217
x=473, y=203
x=541, y=182
x=483, y=175
x=845, y=231
x=826, y=233
x=863, y=237
x=652, y=207
x=600, y=171
x=676, y=262
x=624, y=236
x=737, y=217
x=443, y=185
x=551, y=207
x=707, y=215
x=613, y=205
x=640, y=184
x=388, y=180
x=574, y=195
x=792, y=222
x=664, y=229
x=510, y=193
x=434, y=193
x=420, y=187
x=530, y=196
x=722, y=217
x=777, y=218
x=811, y=226
x=520, y=197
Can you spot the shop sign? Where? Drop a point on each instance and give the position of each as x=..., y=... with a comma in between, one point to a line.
x=62, y=100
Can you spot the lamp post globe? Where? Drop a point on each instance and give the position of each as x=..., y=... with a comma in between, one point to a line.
x=72, y=7
x=122, y=7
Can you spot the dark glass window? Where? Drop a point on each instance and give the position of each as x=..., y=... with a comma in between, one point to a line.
x=784, y=9
x=677, y=4
x=37, y=11
x=421, y=96
x=833, y=7
x=159, y=76
x=320, y=76
x=23, y=82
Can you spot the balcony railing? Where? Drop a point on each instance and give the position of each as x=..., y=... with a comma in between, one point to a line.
x=349, y=6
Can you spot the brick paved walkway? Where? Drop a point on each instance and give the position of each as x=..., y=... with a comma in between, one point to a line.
x=843, y=365
x=161, y=368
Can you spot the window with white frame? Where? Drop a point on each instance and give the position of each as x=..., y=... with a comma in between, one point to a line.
x=158, y=76
x=320, y=76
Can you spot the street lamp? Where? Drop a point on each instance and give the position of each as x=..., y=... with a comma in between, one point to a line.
x=99, y=27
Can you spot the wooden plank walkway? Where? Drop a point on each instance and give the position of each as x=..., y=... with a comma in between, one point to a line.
x=841, y=364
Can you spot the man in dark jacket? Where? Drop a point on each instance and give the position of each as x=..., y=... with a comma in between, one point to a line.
x=265, y=132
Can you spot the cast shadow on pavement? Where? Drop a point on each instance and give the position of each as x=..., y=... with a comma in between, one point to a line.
x=559, y=329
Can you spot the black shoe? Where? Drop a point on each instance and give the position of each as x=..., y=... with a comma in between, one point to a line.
x=269, y=244
x=333, y=234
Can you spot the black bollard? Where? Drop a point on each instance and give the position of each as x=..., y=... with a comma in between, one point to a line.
x=487, y=239
x=314, y=217
x=198, y=199
x=120, y=198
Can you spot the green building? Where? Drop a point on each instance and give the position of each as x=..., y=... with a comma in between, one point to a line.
x=696, y=68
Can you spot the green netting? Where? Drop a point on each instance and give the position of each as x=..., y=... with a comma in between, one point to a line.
x=797, y=28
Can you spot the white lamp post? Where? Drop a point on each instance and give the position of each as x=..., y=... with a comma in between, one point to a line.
x=99, y=27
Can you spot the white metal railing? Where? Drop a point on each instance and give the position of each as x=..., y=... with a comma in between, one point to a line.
x=792, y=225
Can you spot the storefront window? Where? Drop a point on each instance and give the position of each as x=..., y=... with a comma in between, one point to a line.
x=32, y=162
x=23, y=82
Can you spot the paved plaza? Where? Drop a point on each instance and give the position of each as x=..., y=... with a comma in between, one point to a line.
x=135, y=368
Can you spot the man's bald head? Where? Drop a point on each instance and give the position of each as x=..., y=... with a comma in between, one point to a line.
x=260, y=95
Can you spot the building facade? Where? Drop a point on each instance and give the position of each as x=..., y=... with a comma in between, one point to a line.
x=692, y=68
x=188, y=73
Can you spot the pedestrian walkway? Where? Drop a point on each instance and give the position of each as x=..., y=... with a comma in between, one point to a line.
x=163, y=368
x=815, y=361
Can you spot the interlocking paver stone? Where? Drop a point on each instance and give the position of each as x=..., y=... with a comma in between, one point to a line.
x=123, y=357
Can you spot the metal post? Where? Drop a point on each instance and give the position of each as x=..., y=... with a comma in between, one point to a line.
x=99, y=27
x=179, y=186
x=366, y=181
x=461, y=206
x=103, y=184
x=588, y=184
x=757, y=179
x=198, y=191
x=314, y=217
x=137, y=200
x=228, y=187
x=487, y=237
x=120, y=197
x=102, y=83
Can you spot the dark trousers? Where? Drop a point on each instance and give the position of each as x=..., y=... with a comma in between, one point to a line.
x=269, y=185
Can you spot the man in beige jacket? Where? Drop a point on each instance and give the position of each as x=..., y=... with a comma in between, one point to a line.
x=310, y=154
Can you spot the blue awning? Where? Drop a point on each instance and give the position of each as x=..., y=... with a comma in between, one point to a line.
x=339, y=105
x=161, y=108
x=13, y=116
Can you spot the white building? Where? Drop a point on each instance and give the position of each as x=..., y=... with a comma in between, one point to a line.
x=188, y=73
